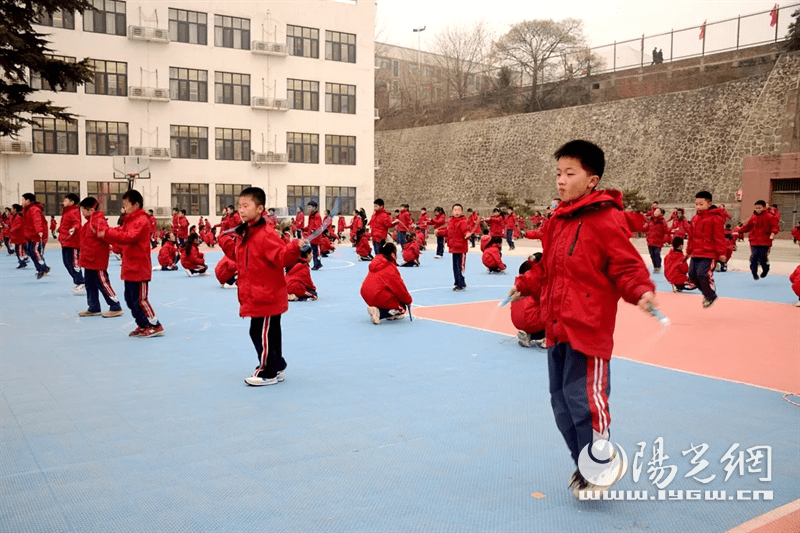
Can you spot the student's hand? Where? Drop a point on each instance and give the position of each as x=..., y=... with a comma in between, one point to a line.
x=101, y=233
x=515, y=294
x=302, y=242
x=647, y=300
x=71, y=231
x=722, y=259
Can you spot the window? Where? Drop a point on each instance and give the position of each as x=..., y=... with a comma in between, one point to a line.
x=340, y=46
x=228, y=194
x=302, y=147
x=110, y=77
x=37, y=82
x=53, y=136
x=346, y=196
x=385, y=64
x=191, y=196
x=51, y=193
x=106, y=138
x=188, y=142
x=188, y=26
x=231, y=32
x=301, y=41
x=107, y=16
x=395, y=68
x=231, y=88
x=188, y=84
x=232, y=145
x=59, y=19
x=340, y=150
x=303, y=94
x=299, y=196
x=340, y=98
x=108, y=194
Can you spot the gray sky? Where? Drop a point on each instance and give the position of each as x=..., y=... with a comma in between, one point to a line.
x=604, y=21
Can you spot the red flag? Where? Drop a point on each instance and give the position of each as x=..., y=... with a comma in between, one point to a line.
x=703, y=30
x=774, y=16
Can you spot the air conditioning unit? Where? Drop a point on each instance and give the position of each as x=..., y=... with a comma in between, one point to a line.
x=260, y=101
x=281, y=103
x=161, y=94
x=272, y=49
x=162, y=211
x=136, y=31
x=161, y=34
x=159, y=153
x=15, y=147
x=138, y=151
x=137, y=92
x=278, y=48
x=144, y=33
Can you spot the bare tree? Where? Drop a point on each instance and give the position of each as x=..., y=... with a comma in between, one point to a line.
x=461, y=52
x=530, y=45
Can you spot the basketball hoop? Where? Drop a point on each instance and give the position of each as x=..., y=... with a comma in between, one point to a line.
x=131, y=168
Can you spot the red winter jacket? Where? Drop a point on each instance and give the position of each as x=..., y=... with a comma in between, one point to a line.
x=474, y=222
x=457, y=232
x=183, y=227
x=657, y=232
x=34, y=223
x=192, y=258
x=52, y=224
x=492, y=258
x=134, y=239
x=166, y=255
x=70, y=220
x=511, y=221
x=795, y=280
x=17, y=232
x=406, y=222
x=314, y=222
x=707, y=234
x=636, y=221
x=440, y=225
x=485, y=242
x=94, y=250
x=760, y=226
x=496, y=226
x=526, y=314
x=298, y=279
x=676, y=268
x=363, y=248
x=260, y=259
x=424, y=219
x=383, y=287
x=225, y=269
x=153, y=224
x=341, y=225
x=589, y=263
x=411, y=251
x=796, y=234
x=325, y=244
x=380, y=224
x=355, y=225
x=680, y=227
x=176, y=223
x=421, y=238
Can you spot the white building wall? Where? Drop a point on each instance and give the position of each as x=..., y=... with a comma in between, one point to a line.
x=17, y=172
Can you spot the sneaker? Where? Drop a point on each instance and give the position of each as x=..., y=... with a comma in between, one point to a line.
x=228, y=286
x=280, y=377
x=316, y=268
x=656, y=271
x=524, y=339
x=22, y=265
x=112, y=314
x=459, y=289
x=153, y=331
x=437, y=256
x=576, y=477
x=797, y=304
x=136, y=332
x=542, y=344
x=708, y=303
x=256, y=381
x=675, y=289
x=755, y=277
x=292, y=298
x=764, y=274
x=374, y=315
x=43, y=273
x=396, y=317
x=88, y=313
x=78, y=289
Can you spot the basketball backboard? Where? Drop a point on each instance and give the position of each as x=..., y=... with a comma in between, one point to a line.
x=131, y=167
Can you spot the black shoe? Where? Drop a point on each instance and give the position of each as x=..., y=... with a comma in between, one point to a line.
x=764, y=274
x=22, y=265
x=316, y=268
x=755, y=277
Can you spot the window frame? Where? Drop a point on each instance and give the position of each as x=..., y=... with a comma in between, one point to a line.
x=305, y=44
x=66, y=19
x=97, y=20
x=229, y=195
x=95, y=138
x=41, y=84
x=68, y=136
x=176, y=25
x=308, y=149
x=179, y=85
x=333, y=100
x=336, y=49
x=227, y=146
x=337, y=153
x=101, y=78
x=52, y=200
x=348, y=201
x=183, y=144
x=221, y=86
x=228, y=33
x=108, y=194
x=301, y=199
x=293, y=94
x=190, y=196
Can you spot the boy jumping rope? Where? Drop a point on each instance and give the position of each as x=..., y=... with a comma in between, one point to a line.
x=589, y=263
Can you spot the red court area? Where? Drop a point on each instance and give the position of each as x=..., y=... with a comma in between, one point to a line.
x=738, y=340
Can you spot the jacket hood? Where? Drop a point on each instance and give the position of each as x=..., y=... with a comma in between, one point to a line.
x=380, y=263
x=69, y=208
x=712, y=211
x=594, y=200
x=95, y=215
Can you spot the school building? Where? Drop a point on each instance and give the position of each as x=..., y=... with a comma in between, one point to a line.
x=211, y=97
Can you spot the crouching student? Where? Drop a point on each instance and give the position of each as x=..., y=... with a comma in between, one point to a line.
x=93, y=258
x=363, y=247
x=383, y=288
x=410, y=251
x=794, y=279
x=676, y=267
x=168, y=255
x=298, y=279
x=225, y=271
x=493, y=257
x=260, y=257
x=134, y=240
x=192, y=259
x=421, y=239
x=526, y=314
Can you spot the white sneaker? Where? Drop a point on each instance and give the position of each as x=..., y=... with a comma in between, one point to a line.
x=374, y=315
x=260, y=382
x=292, y=298
x=280, y=376
x=78, y=289
x=524, y=339
x=797, y=304
x=228, y=286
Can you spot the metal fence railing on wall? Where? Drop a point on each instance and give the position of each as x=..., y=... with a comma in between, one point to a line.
x=744, y=31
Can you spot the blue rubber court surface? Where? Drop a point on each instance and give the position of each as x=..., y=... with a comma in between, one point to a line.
x=407, y=426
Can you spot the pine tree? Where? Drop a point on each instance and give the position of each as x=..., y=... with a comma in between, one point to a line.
x=25, y=51
x=793, y=37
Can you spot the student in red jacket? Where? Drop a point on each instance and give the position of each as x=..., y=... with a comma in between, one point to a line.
x=679, y=226
x=168, y=255
x=379, y=225
x=404, y=224
x=34, y=226
x=486, y=239
x=314, y=222
x=589, y=263
x=421, y=239
x=356, y=223
x=260, y=257
x=69, y=235
x=795, y=281
x=363, y=248
x=424, y=221
x=657, y=236
x=635, y=221
x=298, y=280
x=53, y=226
x=796, y=233
x=493, y=256
x=526, y=313
x=176, y=216
x=341, y=224
x=134, y=238
x=225, y=271
x=383, y=289
x=706, y=245
x=94, y=261
x=411, y=251
x=153, y=228
x=16, y=235
x=676, y=267
x=496, y=223
x=474, y=222
x=762, y=228
x=510, y=225
x=192, y=259
x=457, y=234
x=299, y=222
x=183, y=228
x=440, y=228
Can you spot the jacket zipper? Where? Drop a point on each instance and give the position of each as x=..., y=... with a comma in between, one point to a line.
x=575, y=241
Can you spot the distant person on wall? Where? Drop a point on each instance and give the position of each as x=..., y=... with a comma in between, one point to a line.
x=655, y=56
x=69, y=235
x=34, y=225
x=761, y=228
